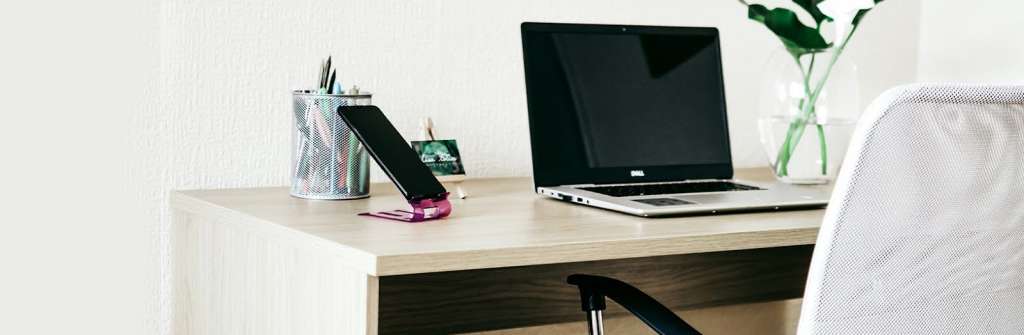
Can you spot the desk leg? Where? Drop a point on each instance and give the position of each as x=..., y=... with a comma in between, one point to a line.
x=230, y=278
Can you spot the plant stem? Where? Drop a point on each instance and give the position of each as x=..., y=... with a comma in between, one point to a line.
x=822, y=144
x=824, y=149
x=821, y=130
x=796, y=126
x=817, y=94
x=807, y=110
x=782, y=160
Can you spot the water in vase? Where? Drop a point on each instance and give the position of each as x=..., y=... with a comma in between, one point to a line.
x=809, y=163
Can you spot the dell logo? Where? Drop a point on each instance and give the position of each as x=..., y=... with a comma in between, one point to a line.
x=636, y=173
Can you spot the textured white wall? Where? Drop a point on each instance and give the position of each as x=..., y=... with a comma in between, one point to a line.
x=976, y=41
x=227, y=66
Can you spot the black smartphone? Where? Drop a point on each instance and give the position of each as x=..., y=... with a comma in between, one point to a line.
x=392, y=152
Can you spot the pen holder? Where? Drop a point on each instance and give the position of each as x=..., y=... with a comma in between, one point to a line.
x=328, y=161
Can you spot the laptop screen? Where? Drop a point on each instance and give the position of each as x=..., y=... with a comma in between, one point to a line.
x=616, y=104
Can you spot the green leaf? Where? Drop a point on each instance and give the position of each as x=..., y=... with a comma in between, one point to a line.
x=757, y=12
x=798, y=38
x=811, y=6
x=862, y=12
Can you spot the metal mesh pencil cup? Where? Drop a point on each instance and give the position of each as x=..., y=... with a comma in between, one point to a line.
x=328, y=161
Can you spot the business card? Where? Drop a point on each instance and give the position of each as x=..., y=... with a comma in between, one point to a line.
x=441, y=156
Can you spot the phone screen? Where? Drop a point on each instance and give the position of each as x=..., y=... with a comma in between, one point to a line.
x=392, y=152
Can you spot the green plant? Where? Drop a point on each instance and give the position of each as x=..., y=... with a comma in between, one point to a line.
x=805, y=42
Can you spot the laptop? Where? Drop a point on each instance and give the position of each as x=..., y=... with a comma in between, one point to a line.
x=633, y=119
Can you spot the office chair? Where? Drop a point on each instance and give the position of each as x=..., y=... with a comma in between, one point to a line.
x=924, y=233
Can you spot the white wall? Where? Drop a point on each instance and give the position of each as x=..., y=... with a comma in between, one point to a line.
x=227, y=66
x=973, y=41
x=74, y=258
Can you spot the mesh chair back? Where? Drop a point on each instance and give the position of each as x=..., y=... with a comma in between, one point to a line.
x=925, y=230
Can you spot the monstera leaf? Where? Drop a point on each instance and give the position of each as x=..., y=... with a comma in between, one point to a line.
x=811, y=6
x=860, y=14
x=798, y=38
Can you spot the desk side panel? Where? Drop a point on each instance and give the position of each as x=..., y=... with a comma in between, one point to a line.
x=230, y=279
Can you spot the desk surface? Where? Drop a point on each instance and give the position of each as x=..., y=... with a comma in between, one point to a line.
x=501, y=224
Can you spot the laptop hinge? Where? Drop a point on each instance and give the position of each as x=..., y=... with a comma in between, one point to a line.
x=654, y=182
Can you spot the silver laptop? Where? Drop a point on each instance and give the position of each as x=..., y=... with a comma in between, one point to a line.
x=633, y=119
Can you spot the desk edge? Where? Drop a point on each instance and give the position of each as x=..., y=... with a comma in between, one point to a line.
x=357, y=259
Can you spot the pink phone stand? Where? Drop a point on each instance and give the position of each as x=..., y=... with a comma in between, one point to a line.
x=422, y=210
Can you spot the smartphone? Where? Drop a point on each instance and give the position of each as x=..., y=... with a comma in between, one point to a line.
x=392, y=153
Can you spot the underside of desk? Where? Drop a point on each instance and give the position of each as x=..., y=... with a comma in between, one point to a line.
x=488, y=299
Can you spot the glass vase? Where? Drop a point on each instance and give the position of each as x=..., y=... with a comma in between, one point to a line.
x=805, y=135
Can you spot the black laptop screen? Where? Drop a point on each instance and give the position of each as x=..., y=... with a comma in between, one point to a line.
x=622, y=104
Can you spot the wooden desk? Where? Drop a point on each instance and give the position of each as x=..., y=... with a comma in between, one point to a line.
x=257, y=261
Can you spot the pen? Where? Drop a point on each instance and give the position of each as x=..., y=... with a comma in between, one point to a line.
x=330, y=83
x=324, y=72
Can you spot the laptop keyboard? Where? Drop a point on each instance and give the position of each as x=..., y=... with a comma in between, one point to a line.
x=671, y=188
